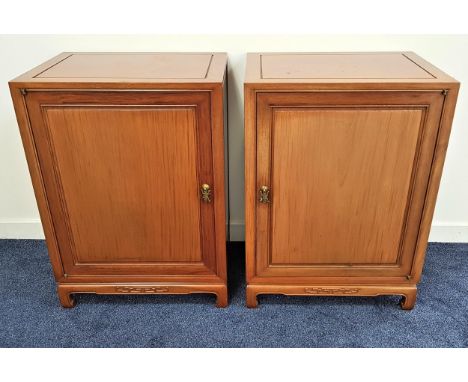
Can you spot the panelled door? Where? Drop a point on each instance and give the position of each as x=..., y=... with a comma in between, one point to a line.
x=124, y=177
x=341, y=181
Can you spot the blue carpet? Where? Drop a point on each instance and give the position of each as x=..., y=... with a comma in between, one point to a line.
x=30, y=314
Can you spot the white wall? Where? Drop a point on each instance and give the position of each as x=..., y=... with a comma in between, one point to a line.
x=19, y=217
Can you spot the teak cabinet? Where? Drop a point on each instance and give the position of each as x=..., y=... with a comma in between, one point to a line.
x=343, y=158
x=126, y=154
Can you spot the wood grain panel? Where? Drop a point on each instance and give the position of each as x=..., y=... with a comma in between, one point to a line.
x=136, y=71
x=343, y=71
x=340, y=184
x=341, y=65
x=129, y=179
x=125, y=65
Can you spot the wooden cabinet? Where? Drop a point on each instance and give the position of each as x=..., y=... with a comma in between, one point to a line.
x=343, y=158
x=126, y=154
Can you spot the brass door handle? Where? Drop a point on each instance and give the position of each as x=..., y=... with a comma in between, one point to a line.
x=264, y=194
x=205, y=193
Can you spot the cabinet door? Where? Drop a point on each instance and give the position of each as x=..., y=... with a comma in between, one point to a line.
x=122, y=173
x=346, y=176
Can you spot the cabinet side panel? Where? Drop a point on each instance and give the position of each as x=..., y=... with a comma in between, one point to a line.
x=440, y=152
x=27, y=138
x=340, y=184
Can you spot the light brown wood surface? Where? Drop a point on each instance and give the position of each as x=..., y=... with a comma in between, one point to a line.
x=419, y=159
x=340, y=65
x=343, y=70
x=109, y=190
x=130, y=172
x=128, y=70
x=66, y=291
x=342, y=177
x=353, y=164
x=124, y=65
x=407, y=292
x=117, y=175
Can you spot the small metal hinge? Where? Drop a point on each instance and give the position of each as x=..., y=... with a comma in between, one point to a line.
x=24, y=92
x=408, y=277
x=65, y=275
x=444, y=92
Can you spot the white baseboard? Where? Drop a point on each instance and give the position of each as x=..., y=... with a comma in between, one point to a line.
x=21, y=229
x=449, y=232
x=32, y=229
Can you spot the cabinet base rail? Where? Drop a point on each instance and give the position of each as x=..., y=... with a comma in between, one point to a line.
x=66, y=292
x=408, y=292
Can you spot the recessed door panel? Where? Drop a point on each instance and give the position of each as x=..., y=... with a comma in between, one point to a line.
x=129, y=179
x=123, y=179
x=341, y=182
x=345, y=189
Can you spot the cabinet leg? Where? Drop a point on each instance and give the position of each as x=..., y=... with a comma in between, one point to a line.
x=222, y=298
x=252, y=301
x=66, y=298
x=408, y=300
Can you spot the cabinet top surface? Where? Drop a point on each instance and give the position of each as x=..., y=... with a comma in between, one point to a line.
x=341, y=67
x=130, y=67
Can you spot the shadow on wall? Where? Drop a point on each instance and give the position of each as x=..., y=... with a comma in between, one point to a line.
x=236, y=70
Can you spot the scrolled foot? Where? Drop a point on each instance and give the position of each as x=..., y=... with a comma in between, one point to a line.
x=66, y=299
x=252, y=301
x=408, y=301
x=222, y=298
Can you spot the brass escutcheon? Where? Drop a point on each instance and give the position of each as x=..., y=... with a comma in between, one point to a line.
x=205, y=193
x=264, y=194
